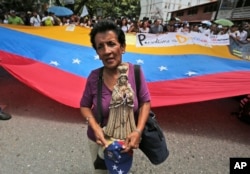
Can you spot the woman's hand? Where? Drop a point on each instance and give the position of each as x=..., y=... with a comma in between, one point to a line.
x=98, y=131
x=100, y=139
x=132, y=141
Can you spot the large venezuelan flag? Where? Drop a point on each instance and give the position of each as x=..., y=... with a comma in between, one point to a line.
x=56, y=62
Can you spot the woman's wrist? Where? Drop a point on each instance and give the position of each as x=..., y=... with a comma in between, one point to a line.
x=138, y=131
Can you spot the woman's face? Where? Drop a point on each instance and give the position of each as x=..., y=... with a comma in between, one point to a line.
x=124, y=21
x=109, y=49
x=196, y=28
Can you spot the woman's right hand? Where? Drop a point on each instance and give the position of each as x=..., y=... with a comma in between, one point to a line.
x=100, y=138
x=98, y=131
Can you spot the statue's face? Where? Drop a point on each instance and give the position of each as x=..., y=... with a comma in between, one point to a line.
x=123, y=79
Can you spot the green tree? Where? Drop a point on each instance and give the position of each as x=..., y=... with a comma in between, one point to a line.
x=109, y=8
x=112, y=8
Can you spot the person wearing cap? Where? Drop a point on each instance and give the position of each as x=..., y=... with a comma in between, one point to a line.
x=223, y=30
x=14, y=19
x=27, y=17
x=219, y=28
x=109, y=42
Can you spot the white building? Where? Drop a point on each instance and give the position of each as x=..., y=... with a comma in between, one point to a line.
x=160, y=8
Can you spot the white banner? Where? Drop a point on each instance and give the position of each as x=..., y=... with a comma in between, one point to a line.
x=174, y=39
x=220, y=39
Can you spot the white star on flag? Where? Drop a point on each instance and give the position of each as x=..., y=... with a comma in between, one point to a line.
x=96, y=57
x=54, y=63
x=120, y=172
x=162, y=68
x=139, y=61
x=76, y=61
x=191, y=73
x=115, y=167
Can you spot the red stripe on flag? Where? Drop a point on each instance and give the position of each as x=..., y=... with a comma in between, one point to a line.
x=59, y=85
x=200, y=88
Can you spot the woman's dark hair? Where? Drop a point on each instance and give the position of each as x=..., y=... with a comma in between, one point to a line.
x=126, y=20
x=107, y=25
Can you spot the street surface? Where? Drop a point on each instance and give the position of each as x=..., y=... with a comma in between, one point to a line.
x=45, y=137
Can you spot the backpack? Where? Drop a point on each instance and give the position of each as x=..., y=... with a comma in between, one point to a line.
x=48, y=22
x=244, y=111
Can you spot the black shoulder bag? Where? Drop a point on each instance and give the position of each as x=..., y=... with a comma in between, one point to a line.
x=153, y=143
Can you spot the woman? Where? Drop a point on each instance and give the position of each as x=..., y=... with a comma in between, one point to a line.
x=144, y=27
x=184, y=29
x=135, y=27
x=125, y=25
x=108, y=40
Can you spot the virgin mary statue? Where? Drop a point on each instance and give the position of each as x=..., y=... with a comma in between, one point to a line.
x=121, y=115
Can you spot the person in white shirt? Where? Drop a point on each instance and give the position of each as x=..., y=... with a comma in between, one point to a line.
x=243, y=34
x=185, y=28
x=35, y=20
x=144, y=28
x=124, y=25
x=213, y=30
x=234, y=32
x=223, y=30
x=205, y=29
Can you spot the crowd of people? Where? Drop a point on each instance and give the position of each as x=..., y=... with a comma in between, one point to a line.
x=240, y=30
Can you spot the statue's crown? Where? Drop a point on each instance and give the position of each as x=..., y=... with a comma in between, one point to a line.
x=122, y=69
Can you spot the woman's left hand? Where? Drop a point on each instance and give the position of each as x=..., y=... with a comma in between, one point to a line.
x=132, y=141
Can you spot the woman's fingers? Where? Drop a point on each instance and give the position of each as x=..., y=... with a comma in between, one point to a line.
x=99, y=142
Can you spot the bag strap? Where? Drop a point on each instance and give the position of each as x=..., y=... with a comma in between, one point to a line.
x=99, y=98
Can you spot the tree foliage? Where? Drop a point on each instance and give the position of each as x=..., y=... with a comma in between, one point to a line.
x=112, y=8
x=109, y=8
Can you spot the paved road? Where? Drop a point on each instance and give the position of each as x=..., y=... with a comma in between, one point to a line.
x=45, y=137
